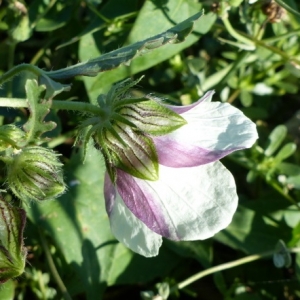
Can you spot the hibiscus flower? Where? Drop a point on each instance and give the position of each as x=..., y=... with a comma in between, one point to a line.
x=194, y=195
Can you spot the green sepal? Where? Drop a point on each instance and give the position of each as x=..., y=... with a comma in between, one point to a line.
x=120, y=90
x=127, y=101
x=12, y=250
x=121, y=119
x=135, y=155
x=152, y=118
x=110, y=167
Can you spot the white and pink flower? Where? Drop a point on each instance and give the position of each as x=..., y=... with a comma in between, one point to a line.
x=194, y=196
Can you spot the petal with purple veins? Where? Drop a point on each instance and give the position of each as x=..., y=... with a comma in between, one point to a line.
x=126, y=227
x=185, y=203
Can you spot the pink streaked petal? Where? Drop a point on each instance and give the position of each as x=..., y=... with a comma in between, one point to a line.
x=126, y=227
x=176, y=155
x=141, y=202
x=213, y=130
x=185, y=203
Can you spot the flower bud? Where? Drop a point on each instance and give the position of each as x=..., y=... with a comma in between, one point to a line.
x=12, y=250
x=124, y=132
x=35, y=173
x=10, y=135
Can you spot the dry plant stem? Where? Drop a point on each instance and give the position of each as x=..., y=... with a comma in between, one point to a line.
x=53, y=269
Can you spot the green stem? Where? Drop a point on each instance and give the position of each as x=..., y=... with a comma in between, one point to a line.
x=56, y=141
x=262, y=43
x=10, y=64
x=276, y=187
x=235, y=34
x=79, y=106
x=223, y=267
x=287, y=7
x=282, y=36
x=233, y=96
x=41, y=285
x=17, y=70
x=53, y=269
x=97, y=13
x=56, y=104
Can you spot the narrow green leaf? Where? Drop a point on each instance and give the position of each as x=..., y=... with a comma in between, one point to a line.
x=124, y=55
x=246, y=98
x=294, y=181
x=288, y=168
x=285, y=152
x=155, y=21
x=275, y=139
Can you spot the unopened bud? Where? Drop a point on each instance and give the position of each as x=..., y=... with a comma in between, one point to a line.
x=35, y=173
x=12, y=250
x=10, y=136
x=125, y=134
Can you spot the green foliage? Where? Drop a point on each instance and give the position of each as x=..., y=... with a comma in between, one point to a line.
x=12, y=250
x=248, y=54
x=36, y=124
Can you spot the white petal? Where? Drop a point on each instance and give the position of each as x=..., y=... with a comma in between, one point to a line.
x=185, y=203
x=127, y=228
x=213, y=130
x=217, y=125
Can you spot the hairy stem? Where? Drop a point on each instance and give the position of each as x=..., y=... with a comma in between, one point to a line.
x=17, y=70
x=236, y=35
x=56, y=104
